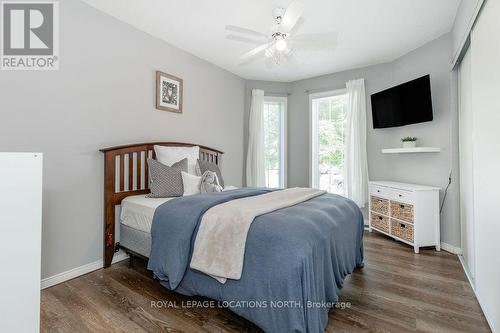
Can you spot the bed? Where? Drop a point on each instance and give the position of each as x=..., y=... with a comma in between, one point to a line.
x=295, y=260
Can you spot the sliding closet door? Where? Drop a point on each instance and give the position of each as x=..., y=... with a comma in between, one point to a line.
x=485, y=64
x=466, y=164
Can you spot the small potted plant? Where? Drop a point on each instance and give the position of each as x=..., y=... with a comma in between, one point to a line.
x=409, y=142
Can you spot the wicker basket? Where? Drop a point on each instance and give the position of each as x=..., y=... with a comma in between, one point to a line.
x=402, y=211
x=379, y=222
x=379, y=205
x=402, y=230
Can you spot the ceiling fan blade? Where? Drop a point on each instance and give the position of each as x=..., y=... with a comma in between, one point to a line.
x=244, y=39
x=242, y=30
x=316, y=41
x=296, y=27
x=292, y=15
x=254, y=52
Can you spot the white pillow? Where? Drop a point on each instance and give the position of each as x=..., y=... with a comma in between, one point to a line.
x=229, y=188
x=171, y=155
x=191, y=183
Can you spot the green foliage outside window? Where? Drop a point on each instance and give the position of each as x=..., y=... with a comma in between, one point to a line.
x=272, y=136
x=331, y=133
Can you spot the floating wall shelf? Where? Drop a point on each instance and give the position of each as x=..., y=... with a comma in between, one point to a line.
x=411, y=150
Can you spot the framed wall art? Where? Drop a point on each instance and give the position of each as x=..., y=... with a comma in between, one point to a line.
x=169, y=92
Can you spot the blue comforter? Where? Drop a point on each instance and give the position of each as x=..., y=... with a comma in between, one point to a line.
x=296, y=258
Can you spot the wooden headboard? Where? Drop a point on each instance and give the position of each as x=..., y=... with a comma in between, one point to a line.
x=126, y=173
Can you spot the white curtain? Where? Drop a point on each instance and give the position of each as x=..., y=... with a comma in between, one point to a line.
x=355, y=159
x=256, y=174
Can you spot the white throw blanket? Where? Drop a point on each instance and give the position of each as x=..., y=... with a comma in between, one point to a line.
x=219, y=247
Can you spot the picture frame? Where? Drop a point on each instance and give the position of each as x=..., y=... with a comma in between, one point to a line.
x=169, y=92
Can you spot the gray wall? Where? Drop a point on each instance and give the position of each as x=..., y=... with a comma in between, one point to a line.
x=103, y=95
x=430, y=169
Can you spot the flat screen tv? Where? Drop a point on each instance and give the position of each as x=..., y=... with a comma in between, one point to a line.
x=408, y=103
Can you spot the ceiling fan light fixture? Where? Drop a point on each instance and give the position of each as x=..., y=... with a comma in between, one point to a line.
x=281, y=45
x=283, y=42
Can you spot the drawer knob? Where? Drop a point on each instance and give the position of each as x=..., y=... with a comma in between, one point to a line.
x=380, y=217
x=402, y=225
x=378, y=191
x=400, y=195
x=402, y=206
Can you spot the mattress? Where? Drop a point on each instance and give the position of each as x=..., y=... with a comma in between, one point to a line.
x=135, y=240
x=137, y=211
x=136, y=218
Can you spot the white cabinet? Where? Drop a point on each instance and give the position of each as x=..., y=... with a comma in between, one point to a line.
x=20, y=241
x=406, y=212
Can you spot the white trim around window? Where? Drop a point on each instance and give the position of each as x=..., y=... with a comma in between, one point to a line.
x=313, y=128
x=283, y=100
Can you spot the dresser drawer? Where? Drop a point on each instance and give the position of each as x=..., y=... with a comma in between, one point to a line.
x=379, y=222
x=402, y=230
x=379, y=205
x=411, y=207
x=402, y=195
x=402, y=211
x=380, y=191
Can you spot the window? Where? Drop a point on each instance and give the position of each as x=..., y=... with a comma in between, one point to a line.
x=328, y=120
x=275, y=140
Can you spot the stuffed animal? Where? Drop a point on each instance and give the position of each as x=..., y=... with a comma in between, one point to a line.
x=210, y=182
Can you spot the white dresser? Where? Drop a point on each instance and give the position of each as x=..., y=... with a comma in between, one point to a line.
x=406, y=212
x=20, y=241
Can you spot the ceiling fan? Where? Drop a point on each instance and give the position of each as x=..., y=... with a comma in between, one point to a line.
x=282, y=41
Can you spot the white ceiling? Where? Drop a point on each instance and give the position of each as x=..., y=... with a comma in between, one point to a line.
x=370, y=31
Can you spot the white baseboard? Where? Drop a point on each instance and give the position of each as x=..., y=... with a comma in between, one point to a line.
x=450, y=248
x=75, y=272
x=472, y=284
x=467, y=273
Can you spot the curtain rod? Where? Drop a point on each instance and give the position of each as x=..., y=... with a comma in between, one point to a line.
x=268, y=93
x=320, y=90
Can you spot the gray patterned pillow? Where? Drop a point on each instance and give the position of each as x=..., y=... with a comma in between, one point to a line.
x=166, y=181
x=203, y=166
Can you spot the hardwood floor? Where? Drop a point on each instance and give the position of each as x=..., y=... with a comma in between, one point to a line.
x=396, y=291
